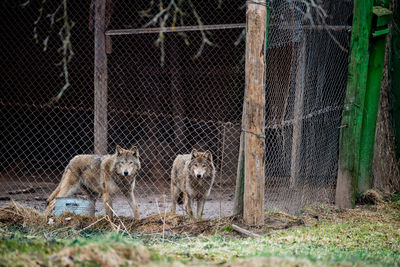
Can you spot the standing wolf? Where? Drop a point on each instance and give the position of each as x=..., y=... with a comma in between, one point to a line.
x=101, y=175
x=192, y=177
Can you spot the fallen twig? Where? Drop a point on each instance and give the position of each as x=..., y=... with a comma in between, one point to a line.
x=244, y=231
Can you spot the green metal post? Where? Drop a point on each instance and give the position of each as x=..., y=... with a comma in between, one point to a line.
x=375, y=68
x=350, y=133
x=394, y=75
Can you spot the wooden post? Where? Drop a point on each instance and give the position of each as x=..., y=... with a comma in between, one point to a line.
x=298, y=114
x=100, y=79
x=394, y=75
x=177, y=100
x=253, y=126
x=350, y=133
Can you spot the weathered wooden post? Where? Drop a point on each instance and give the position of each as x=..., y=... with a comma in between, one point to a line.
x=298, y=114
x=100, y=79
x=251, y=158
x=394, y=75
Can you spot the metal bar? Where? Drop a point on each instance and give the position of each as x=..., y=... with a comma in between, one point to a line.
x=221, y=27
x=176, y=29
x=304, y=117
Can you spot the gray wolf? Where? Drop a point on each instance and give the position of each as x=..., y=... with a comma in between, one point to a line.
x=101, y=175
x=192, y=177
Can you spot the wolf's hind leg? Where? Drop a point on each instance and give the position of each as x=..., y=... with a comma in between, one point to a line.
x=175, y=194
x=49, y=208
x=68, y=185
x=92, y=198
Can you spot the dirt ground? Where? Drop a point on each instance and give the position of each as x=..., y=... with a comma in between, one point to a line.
x=154, y=198
x=219, y=204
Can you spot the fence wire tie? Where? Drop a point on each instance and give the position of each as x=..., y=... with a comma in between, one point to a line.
x=256, y=134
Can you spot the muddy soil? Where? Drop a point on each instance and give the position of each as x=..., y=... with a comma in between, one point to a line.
x=219, y=203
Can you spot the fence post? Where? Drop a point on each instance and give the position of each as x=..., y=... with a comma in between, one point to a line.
x=298, y=114
x=253, y=127
x=394, y=75
x=350, y=133
x=100, y=79
x=381, y=19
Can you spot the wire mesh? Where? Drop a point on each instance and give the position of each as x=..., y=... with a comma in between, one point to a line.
x=174, y=83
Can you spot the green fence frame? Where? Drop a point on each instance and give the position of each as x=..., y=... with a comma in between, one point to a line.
x=356, y=144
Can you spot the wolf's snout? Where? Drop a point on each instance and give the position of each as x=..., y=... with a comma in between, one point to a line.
x=126, y=173
x=198, y=175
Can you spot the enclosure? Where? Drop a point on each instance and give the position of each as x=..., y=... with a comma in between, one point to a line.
x=175, y=81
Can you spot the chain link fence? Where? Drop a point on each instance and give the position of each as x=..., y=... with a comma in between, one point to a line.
x=175, y=82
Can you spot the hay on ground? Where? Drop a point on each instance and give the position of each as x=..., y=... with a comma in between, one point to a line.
x=15, y=213
x=370, y=197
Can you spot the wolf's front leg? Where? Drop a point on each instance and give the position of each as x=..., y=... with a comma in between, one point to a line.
x=200, y=207
x=107, y=204
x=133, y=205
x=188, y=205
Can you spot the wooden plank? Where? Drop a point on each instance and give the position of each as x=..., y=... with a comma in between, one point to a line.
x=100, y=79
x=239, y=188
x=254, y=117
x=350, y=133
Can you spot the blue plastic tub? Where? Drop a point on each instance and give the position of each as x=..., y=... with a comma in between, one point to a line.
x=75, y=205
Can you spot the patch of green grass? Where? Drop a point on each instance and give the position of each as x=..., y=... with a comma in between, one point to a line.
x=346, y=243
x=19, y=246
x=356, y=237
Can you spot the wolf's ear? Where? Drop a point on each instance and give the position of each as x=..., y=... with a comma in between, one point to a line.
x=135, y=151
x=194, y=154
x=118, y=150
x=208, y=155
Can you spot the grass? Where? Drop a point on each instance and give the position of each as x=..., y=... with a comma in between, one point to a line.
x=367, y=235
x=347, y=243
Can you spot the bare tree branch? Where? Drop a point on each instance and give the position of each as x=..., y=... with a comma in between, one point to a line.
x=64, y=34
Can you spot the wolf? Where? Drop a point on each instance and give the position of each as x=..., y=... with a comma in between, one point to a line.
x=192, y=177
x=101, y=175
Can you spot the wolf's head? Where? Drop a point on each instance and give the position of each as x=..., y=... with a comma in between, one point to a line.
x=127, y=162
x=201, y=164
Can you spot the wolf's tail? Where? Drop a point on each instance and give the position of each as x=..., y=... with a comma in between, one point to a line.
x=180, y=198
